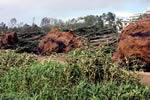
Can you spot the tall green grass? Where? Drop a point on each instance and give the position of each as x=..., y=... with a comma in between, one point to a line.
x=89, y=75
x=52, y=81
x=10, y=59
x=96, y=66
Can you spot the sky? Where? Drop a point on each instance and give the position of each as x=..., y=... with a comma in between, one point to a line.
x=26, y=10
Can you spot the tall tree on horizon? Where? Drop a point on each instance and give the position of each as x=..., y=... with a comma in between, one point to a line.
x=45, y=22
x=13, y=22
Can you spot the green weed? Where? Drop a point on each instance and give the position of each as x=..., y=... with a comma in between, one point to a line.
x=11, y=59
x=96, y=65
x=89, y=75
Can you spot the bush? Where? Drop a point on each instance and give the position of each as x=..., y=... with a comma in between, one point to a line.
x=11, y=59
x=34, y=80
x=90, y=75
x=97, y=66
x=110, y=91
x=84, y=91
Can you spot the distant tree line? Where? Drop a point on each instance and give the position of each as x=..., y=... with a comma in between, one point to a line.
x=97, y=22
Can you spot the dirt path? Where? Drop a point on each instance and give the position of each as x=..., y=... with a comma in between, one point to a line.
x=58, y=59
x=144, y=78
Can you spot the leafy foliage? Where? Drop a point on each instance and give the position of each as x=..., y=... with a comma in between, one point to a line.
x=96, y=66
x=89, y=74
x=11, y=59
x=52, y=81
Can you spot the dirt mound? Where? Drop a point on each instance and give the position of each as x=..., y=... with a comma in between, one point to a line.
x=9, y=39
x=60, y=42
x=134, y=41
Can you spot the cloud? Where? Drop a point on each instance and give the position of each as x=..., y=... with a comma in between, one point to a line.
x=58, y=5
x=26, y=9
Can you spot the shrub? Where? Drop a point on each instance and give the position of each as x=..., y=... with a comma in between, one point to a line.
x=84, y=91
x=11, y=59
x=97, y=66
x=33, y=80
x=90, y=75
x=110, y=91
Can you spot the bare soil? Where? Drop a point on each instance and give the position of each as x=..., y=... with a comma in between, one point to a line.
x=144, y=78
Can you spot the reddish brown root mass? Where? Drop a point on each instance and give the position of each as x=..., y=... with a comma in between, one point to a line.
x=134, y=40
x=60, y=42
x=8, y=39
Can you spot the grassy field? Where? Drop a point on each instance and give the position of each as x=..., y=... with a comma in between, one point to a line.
x=89, y=74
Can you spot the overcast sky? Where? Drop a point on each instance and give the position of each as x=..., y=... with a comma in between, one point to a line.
x=25, y=10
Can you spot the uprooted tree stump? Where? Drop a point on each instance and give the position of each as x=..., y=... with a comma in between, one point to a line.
x=8, y=39
x=59, y=42
x=134, y=41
